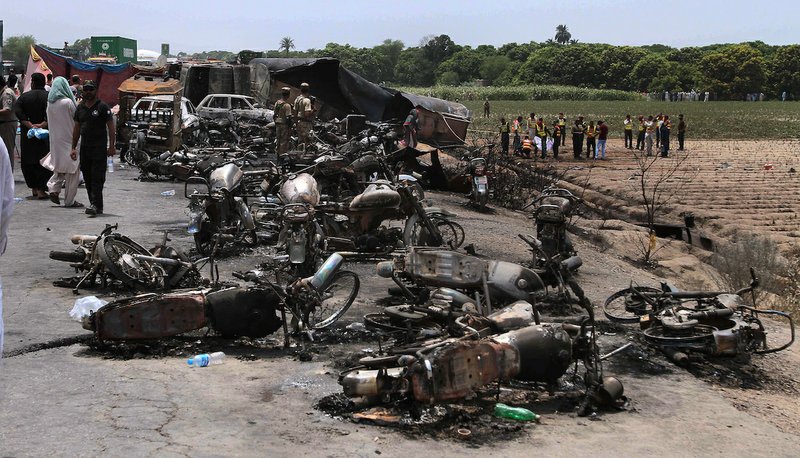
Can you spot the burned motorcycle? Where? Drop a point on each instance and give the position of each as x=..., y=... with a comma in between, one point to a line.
x=479, y=178
x=315, y=302
x=112, y=256
x=215, y=208
x=481, y=351
x=684, y=324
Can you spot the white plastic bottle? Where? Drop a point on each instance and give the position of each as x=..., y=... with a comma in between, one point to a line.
x=207, y=359
x=110, y=163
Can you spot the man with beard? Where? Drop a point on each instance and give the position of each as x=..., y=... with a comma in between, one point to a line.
x=31, y=110
x=94, y=124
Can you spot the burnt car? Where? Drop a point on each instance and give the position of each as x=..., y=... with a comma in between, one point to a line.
x=215, y=106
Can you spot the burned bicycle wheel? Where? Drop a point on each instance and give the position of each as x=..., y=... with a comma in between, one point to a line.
x=627, y=305
x=116, y=251
x=417, y=234
x=335, y=299
x=697, y=334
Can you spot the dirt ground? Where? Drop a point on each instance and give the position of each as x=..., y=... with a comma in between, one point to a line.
x=61, y=394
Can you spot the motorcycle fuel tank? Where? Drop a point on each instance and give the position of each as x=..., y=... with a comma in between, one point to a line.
x=226, y=177
x=299, y=189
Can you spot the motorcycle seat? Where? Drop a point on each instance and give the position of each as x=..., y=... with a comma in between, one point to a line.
x=377, y=195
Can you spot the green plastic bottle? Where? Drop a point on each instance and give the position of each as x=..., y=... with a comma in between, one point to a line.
x=514, y=413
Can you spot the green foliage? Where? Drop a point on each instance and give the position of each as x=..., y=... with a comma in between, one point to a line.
x=784, y=70
x=449, y=78
x=765, y=120
x=733, y=71
x=17, y=48
x=494, y=66
x=529, y=92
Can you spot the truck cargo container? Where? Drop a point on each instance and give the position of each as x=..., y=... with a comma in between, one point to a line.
x=123, y=49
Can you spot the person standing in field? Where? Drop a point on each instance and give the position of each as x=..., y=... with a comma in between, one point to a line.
x=557, y=136
x=527, y=145
x=410, y=127
x=649, y=126
x=530, y=125
x=516, y=126
x=562, y=125
x=591, y=144
x=628, y=123
x=640, y=136
x=577, y=139
x=602, y=136
x=681, y=132
x=486, y=108
x=665, y=128
x=542, y=132
x=658, y=121
x=505, y=128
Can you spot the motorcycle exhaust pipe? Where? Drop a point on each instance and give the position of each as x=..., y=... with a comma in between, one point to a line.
x=324, y=275
x=572, y=263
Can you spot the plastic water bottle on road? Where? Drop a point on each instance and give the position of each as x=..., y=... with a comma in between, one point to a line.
x=206, y=359
x=514, y=413
x=169, y=193
x=110, y=164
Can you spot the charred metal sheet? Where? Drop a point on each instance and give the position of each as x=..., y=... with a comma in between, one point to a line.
x=445, y=268
x=457, y=370
x=150, y=316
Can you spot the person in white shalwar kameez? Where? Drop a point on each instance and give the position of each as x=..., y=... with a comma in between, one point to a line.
x=6, y=208
x=60, y=119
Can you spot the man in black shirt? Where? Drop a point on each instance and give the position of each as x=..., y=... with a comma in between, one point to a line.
x=31, y=110
x=94, y=124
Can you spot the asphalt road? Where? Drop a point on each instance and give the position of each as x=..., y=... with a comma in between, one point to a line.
x=63, y=397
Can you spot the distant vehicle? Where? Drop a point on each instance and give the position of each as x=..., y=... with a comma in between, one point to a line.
x=102, y=60
x=232, y=105
x=151, y=105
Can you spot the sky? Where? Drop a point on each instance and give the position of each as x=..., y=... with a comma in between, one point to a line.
x=204, y=25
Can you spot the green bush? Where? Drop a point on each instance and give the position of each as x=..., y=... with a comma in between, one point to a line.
x=521, y=93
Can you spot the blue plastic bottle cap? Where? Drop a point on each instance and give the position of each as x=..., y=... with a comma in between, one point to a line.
x=190, y=361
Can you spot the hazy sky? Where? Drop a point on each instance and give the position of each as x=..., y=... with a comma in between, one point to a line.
x=203, y=25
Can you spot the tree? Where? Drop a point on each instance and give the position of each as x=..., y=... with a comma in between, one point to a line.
x=784, y=72
x=494, y=66
x=733, y=71
x=389, y=53
x=83, y=47
x=617, y=63
x=414, y=69
x=286, y=44
x=562, y=34
x=656, y=187
x=438, y=49
x=645, y=71
x=17, y=48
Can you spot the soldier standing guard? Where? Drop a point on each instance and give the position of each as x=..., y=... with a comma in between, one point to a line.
x=283, y=121
x=304, y=114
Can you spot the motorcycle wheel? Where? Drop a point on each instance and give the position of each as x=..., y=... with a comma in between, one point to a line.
x=135, y=157
x=115, y=251
x=697, y=334
x=382, y=322
x=625, y=307
x=482, y=200
x=334, y=300
x=417, y=191
x=204, y=239
x=415, y=233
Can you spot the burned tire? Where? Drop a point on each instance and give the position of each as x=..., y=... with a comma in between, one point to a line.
x=116, y=252
x=204, y=239
x=335, y=299
x=626, y=307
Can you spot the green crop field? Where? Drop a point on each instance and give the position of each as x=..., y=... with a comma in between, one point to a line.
x=705, y=120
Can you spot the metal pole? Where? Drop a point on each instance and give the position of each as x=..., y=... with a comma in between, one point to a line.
x=1, y=45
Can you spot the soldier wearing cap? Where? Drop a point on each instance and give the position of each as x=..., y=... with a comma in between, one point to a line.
x=304, y=114
x=283, y=121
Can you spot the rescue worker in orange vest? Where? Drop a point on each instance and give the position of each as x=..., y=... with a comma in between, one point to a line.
x=542, y=132
x=591, y=143
x=557, y=136
x=628, y=123
x=527, y=145
x=562, y=126
x=640, y=137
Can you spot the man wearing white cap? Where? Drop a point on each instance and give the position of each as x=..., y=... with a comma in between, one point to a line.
x=304, y=114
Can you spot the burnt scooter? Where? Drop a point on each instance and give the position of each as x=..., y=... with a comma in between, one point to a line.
x=300, y=235
x=215, y=207
x=479, y=177
x=684, y=324
x=315, y=303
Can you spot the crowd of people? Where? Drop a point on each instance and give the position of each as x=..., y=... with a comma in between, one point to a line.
x=532, y=137
x=66, y=133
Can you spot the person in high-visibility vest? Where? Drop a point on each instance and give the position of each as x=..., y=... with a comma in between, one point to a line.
x=527, y=146
x=542, y=132
x=640, y=137
x=562, y=125
x=628, y=123
x=505, y=129
x=516, y=127
x=591, y=144
x=666, y=127
x=577, y=139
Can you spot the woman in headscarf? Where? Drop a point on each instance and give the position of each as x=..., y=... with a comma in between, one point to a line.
x=64, y=164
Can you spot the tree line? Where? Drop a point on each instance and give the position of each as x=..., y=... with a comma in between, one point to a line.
x=728, y=70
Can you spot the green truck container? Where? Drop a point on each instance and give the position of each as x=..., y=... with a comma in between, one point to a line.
x=124, y=49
